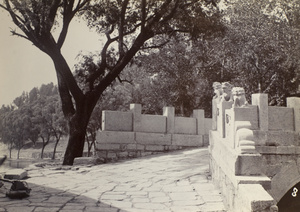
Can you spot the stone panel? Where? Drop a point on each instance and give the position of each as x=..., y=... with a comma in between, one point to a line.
x=281, y=118
x=153, y=138
x=221, y=107
x=185, y=125
x=200, y=121
x=115, y=137
x=169, y=112
x=281, y=138
x=261, y=100
x=187, y=140
x=260, y=137
x=116, y=121
x=15, y=174
x=153, y=124
x=207, y=125
x=294, y=102
x=85, y=161
x=253, y=198
x=249, y=164
x=249, y=113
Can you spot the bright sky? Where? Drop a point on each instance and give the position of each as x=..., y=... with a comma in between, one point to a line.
x=23, y=66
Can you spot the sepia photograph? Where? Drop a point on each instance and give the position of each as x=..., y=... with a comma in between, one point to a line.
x=150, y=105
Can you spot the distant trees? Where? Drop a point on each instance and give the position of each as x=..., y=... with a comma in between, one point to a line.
x=36, y=114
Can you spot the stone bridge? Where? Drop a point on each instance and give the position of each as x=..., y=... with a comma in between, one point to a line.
x=254, y=148
x=254, y=152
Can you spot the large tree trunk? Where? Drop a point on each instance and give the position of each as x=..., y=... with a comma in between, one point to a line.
x=77, y=130
x=76, y=141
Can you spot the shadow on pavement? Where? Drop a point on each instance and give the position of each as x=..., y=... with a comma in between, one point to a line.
x=43, y=199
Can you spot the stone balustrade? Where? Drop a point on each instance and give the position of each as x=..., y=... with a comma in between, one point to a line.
x=133, y=134
x=255, y=153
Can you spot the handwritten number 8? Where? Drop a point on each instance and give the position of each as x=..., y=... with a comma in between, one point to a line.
x=295, y=190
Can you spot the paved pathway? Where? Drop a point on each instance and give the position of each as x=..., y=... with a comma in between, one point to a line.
x=175, y=181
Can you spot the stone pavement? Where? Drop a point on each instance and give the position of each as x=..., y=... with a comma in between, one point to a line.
x=177, y=181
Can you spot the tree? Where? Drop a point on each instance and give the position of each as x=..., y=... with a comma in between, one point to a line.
x=43, y=121
x=128, y=26
x=5, y=127
x=14, y=132
x=170, y=78
x=261, y=47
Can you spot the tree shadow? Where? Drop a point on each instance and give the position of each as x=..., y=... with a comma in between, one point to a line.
x=43, y=198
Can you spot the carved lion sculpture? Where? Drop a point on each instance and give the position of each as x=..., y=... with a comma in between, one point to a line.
x=239, y=99
x=227, y=91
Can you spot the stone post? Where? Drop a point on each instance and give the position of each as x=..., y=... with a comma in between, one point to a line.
x=261, y=100
x=221, y=107
x=214, y=103
x=199, y=115
x=136, y=110
x=103, y=124
x=294, y=102
x=169, y=112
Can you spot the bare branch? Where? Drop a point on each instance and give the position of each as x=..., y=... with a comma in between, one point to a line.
x=68, y=15
x=13, y=32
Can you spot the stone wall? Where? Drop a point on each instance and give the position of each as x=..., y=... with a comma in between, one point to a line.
x=133, y=134
x=255, y=152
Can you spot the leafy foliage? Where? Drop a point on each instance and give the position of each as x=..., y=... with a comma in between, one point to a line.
x=37, y=114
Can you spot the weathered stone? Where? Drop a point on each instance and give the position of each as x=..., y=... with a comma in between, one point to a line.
x=261, y=100
x=248, y=114
x=281, y=118
x=294, y=102
x=262, y=180
x=154, y=148
x=185, y=125
x=114, y=137
x=207, y=125
x=153, y=124
x=286, y=150
x=117, y=121
x=122, y=154
x=153, y=138
x=169, y=112
x=260, y=138
x=266, y=149
x=200, y=121
x=107, y=146
x=136, y=109
x=281, y=138
x=112, y=155
x=15, y=174
x=245, y=135
x=253, y=198
x=248, y=165
x=221, y=107
x=187, y=140
x=85, y=161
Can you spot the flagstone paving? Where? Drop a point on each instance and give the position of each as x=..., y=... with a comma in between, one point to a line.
x=172, y=182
